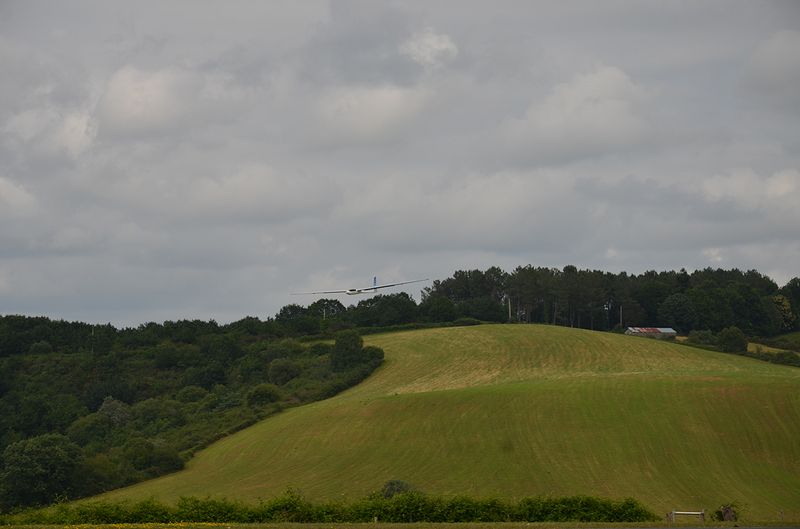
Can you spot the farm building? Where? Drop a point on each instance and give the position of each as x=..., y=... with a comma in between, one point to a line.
x=663, y=333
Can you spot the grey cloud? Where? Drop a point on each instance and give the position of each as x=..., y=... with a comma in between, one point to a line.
x=217, y=160
x=773, y=71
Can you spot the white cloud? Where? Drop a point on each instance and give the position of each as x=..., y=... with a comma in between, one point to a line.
x=138, y=101
x=369, y=113
x=50, y=130
x=76, y=133
x=501, y=211
x=714, y=255
x=429, y=49
x=593, y=113
x=15, y=200
x=750, y=190
x=29, y=124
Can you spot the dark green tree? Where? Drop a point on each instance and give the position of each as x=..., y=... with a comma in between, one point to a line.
x=298, y=320
x=327, y=308
x=792, y=292
x=42, y=347
x=36, y=471
x=437, y=308
x=347, y=350
x=262, y=395
x=788, y=319
x=732, y=340
x=282, y=370
x=677, y=310
x=383, y=310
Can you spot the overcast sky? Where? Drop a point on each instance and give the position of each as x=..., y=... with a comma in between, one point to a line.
x=170, y=160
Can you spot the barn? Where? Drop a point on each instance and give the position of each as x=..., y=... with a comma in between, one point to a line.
x=662, y=333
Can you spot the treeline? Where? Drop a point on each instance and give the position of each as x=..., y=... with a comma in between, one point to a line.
x=708, y=299
x=76, y=422
x=711, y=299
x=408, y=507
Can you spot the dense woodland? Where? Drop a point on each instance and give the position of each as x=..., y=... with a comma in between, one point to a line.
x=86, y=408
x=101, y=411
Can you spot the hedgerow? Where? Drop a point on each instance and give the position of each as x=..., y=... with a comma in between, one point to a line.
x=407, y=507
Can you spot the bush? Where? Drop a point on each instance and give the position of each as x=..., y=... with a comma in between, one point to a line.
x=346, y=350
x=705, y=337
x=372, y=353
x=728, y=512
x=405, y=507
x=464, y=322
x=210, y=510
x=42, y=347
x=732, y=340
x=191, y=394
x=262, y=395
x=282, y=370
x=394, y=487
x=290, y=507
x=149, y=511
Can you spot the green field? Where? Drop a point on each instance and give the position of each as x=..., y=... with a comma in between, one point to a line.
x=524, y=410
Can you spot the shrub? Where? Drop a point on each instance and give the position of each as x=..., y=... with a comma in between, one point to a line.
x=405, y=507
x=732, y=340
x=728, y=512
x=291, y=507
x=282, y=370
x=42, y=347
x=149, y=511
x=394, y=487
x=705, y=337
x=320, y=349
x=100, y=512
x=191, y=394
x=372, y=353
x=191, y=509
x=346, y=350
x=263, y=394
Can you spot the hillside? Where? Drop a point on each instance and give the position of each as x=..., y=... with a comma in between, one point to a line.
x=517, y=410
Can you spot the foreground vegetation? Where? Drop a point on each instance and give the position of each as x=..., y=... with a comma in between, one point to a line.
x=512, y=411
x=406, y=507
x=76, y=424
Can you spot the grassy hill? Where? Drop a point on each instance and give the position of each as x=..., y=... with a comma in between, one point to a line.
x=526, y=410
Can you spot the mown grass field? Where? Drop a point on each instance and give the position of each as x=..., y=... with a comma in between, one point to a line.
x=525, y=410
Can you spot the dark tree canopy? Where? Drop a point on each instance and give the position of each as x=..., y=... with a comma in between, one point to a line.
x=678, y=311
x=732, y=340
x=36, y=471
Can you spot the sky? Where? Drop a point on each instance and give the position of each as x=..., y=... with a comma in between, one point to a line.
x=166, y=160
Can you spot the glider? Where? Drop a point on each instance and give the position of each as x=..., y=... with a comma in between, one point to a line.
x=366, y=290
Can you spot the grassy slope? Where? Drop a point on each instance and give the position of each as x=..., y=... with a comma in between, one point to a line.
x=528, y=410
